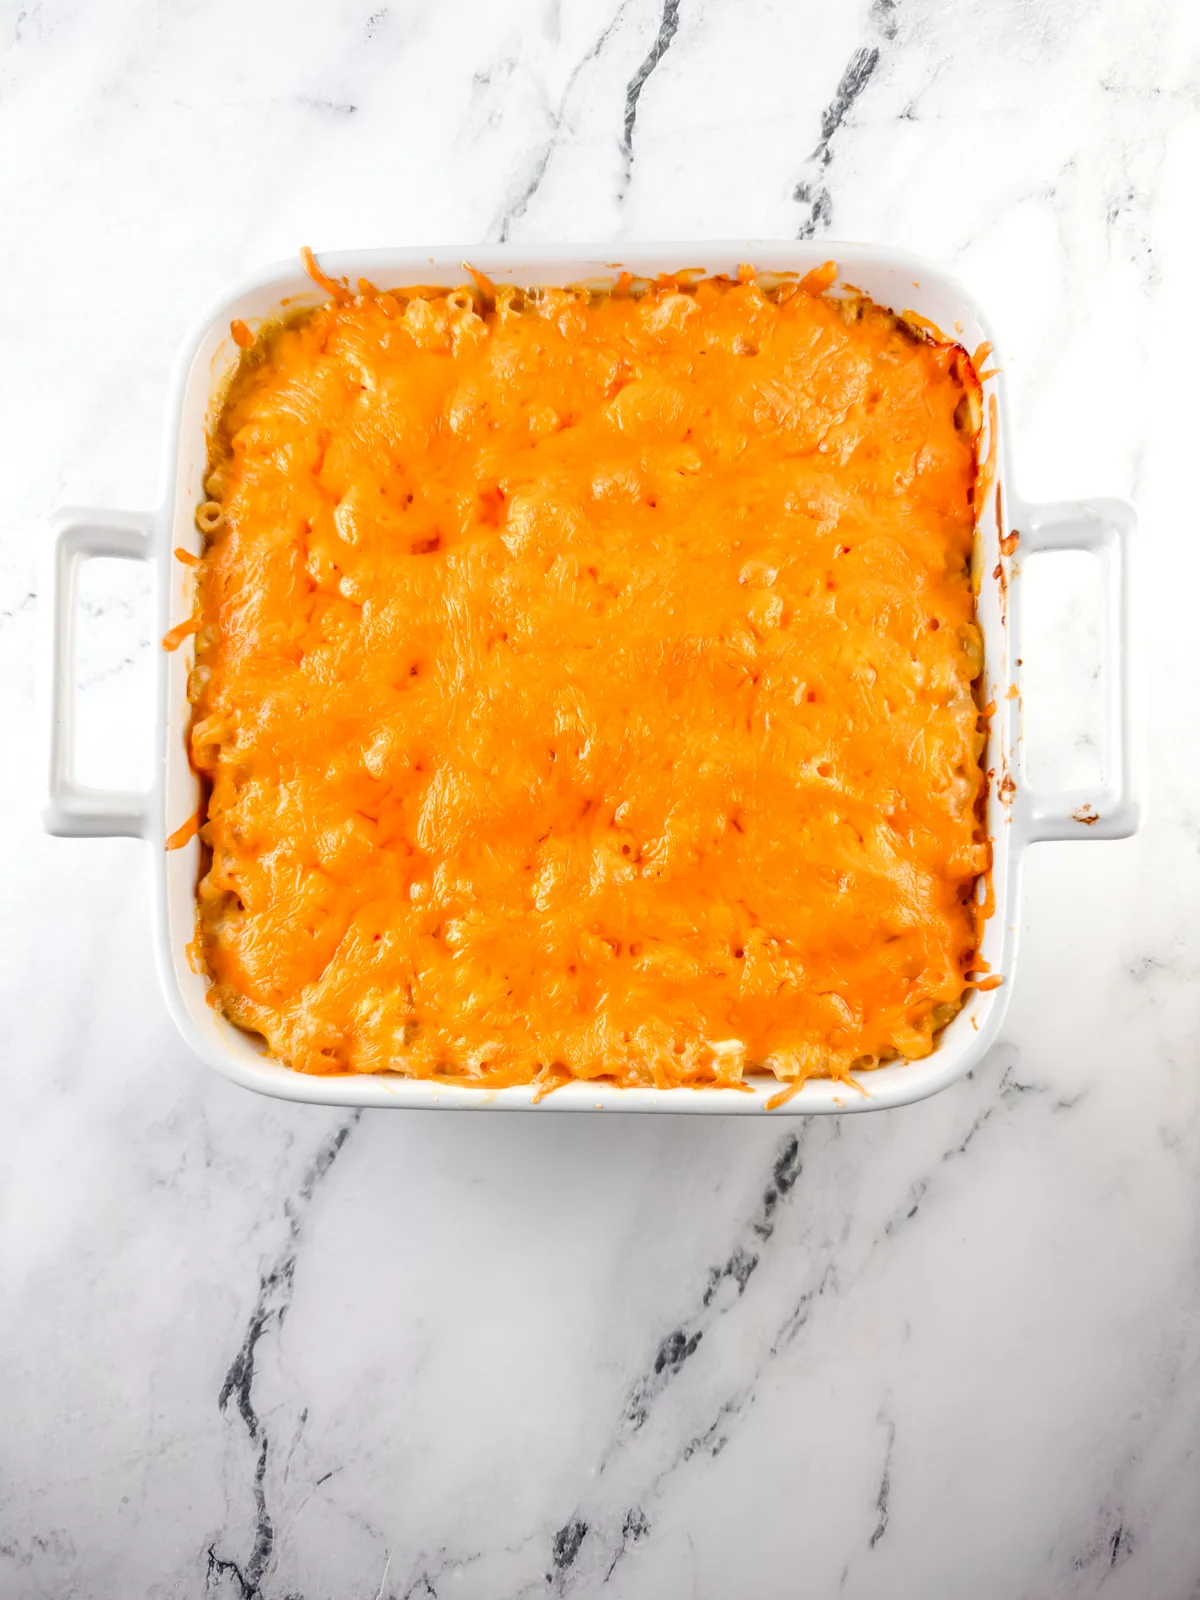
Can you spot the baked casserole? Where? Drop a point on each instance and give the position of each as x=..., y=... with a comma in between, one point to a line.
x=585, y=684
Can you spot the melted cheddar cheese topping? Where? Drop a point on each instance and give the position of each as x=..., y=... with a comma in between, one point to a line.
x=583, y=685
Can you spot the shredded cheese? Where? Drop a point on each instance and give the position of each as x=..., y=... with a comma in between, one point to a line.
x=583, y=685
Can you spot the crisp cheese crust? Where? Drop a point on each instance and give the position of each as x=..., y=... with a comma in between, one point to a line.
x=584, y=685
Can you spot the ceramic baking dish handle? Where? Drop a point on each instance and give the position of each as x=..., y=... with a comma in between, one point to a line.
x=72, y=808
x=1109, y=809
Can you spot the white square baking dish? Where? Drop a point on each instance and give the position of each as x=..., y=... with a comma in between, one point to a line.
x=1006, y=532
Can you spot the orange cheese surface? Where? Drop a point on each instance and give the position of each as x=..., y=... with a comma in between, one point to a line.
x=584, y=686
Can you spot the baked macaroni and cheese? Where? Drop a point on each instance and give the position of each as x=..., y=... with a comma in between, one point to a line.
x=584, y=684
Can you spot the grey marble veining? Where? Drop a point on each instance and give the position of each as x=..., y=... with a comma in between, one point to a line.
x=261, y=1350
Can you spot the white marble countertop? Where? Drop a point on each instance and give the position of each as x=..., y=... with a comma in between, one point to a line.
x=256, y=1349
